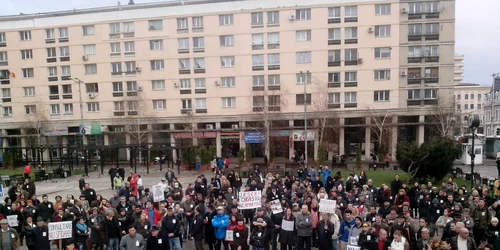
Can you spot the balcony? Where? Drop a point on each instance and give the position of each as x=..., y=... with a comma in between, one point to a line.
x=3, y=44
x=257, y=25
x=64, y=59
x=50, y=40
x=64, y=39
x=350, y=62
x=132, y=112
x=51, y=59
x=350, y=105
x=333, y=105
x=350, y=84
x=198, y=49
x=274, y=108
x=333, y=84
x=432, y=37
x=432, y=15
x=200, y=91
x=414, y=37
x=128, y=34
x=184, y=71
x=197, y=29
x=258, y=109
x=273, y=87
x=414, y=79
x=273, y=45
x=257, y=67
x=54, y=97
x=334, y=20
x=52, y=78
x=201, y=111
x=67, y=96
x=183, y=50
x=413, y=16
x=132, y=93
x=350, y=19
x=334, y=63
x=185, y=91
x=258, y=88
x=114, y=35
x=273, y=66
x=186, y=111
x=414, y=59
x=257, y=46
x=199, y=70
x=335, y=41
x=351, y=41
x=431, y=79
x=431, y=58
x=117, y=94
x=119, y=113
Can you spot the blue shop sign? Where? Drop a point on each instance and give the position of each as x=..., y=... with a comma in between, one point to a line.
x=254, y=137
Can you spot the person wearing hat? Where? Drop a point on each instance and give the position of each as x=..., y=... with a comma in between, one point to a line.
x=170, y=226
x=259, y=235
x=220, y=222
x=9, y=239
x=40, y=235
x=405, y=230
x=197, y=228
x=155, y=239
x=27, y=226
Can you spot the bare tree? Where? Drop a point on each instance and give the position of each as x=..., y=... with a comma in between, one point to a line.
x=139, y=116
x=444, y=119
x=36, y=122
x=322, y=110
x=381, y=125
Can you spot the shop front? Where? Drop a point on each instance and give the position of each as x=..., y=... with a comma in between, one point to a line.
x=278, y=140
x=230, y=143
x=204, y=138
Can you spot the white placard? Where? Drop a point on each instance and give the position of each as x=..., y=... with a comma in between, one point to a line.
x=276, y=206
x=158, y=193
x=229, y=235
x=12, y=219
x=327, y=206
x=249, y=200
x=287, y=225
x=60, y=230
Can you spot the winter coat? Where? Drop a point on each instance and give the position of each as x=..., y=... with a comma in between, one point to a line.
x=170, y=224
x=209, y=228
x=368, y=240
x=240, y=238
x=325, y=235
x=82, y=233
x=95, y=236
x=258, y=237
x=355, y=232
x=303, y=223
x=345, y=229
x=287, y=237
x=26, y=231
x=41, y=237
x=220, y=223
x=156, y=243
x=441, y=223
x=14, y=239
x=197, y=230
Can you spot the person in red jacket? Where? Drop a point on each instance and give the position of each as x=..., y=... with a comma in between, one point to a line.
x=401, y=198
x=153, y=215
x=27, y=171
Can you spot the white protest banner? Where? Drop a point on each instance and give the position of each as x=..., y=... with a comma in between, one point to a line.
x=249, y=200
x=287, y=225
x=229, y=235
x=158, y=194
x=60, y=230
x=327, y=206
x=276, y=206
x=12, y=219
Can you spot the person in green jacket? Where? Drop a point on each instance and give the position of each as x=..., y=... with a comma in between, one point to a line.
x=118, y=182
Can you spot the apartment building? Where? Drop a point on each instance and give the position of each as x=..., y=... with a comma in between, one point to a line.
x=469, y=99
x=225, y=72
x=491, y=106
x=459, y=69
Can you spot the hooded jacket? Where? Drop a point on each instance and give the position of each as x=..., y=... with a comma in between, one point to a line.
x=220, y=223
x=345, y=229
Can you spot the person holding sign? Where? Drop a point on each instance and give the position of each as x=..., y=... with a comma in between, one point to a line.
x=8, y=237
x=325, y=229
x=287, y=233
x=240, y=234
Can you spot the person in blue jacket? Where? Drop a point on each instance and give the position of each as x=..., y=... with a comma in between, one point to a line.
x=345, y=228
x=325, y=172
x=220, y=223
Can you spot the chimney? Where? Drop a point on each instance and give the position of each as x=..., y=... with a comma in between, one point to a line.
x=131, y=2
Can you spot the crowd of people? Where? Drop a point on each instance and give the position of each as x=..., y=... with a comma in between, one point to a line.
x=392, y=216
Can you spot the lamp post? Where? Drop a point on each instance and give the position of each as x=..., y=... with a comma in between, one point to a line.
x=474, y=123
x=307, y=74
x=82, y=121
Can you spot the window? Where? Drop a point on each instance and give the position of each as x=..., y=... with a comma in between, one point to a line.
x=199, y=63
x=430, y=94
x=384, y=74
x=299, y=99
x=351, y=55
x=333, y=12
x=88, y=30
x=432, y=50
x=156, y=45
x=119, y=106
x=115, y=48
x=3, y=39
x=197, y=22
x=64, y=51
x=472, y=96
x=89, y=49
x=334, y=77
x=201, y=103
x=159, y=104
x=66, y=89
x=351, y=33
x=28, y=73
x=128, y=27
x=228, y=102
x=132, y=86
x=183, y=43
x=227, y=61
x=350, y=97
x=6, y=93
x=114, y=28
x=334, y=98
x=26, y=35
x=383, y=9
x=334, y=34
x=226, y=40
x=303, y=35
x=273, y=59
x=431, y=28
x=182, y=23
x=430, y=7
x=185, y=83
x=117, y=87
x=466, y=106
x=157, y=85
x=382, y=30
x=157, y=64
x=184, y=63
x=116, y=68
x=258, y=101
x=92, y=87
x=130, y=68
x=52, y=71
x=273, y=80
x=257, y=19
x=198, y=43
x=381, y=96
x=54, y=90
x=225, y=19
x=414, y=29
x=479, y=106
x=27, y=54
x=200, y=83
x=303, y=57
x=29, y=91
x=303, y=14
x=334, y=55
x=258, y=39
x=186, y=104
x=65, y=71
x=155, y=24
x=228, y=82
x=129, y=48
x=55, y=109
x=414, y=51
x=351, y=11
x=30, y=109
x=303, y=78
x=132, y=105
x=273, y=18
x=63, y=33
x=258, y=81
x=433, y=73
x=3, y=56
x=92, y=106
x=351, y=76
x=414, y=94
x=415, y=8
x=382, y=53
x=90, y=69
x=7, y=111
x=472, y=106
x=257, y=60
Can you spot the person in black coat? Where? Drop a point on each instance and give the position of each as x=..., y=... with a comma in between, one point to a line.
x=325, y=229
x=155, y=240
x=197, y=232
x=40, y=235
x=368, y=238
x=209, y=228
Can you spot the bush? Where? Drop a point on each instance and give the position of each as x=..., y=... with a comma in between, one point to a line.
x=322, y=154
x=248, y=154
x=241, y=156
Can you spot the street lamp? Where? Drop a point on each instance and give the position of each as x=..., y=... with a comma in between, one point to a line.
x=474, y=123
x=82, y=121
x=307, y=74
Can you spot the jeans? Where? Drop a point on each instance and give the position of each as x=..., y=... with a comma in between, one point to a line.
x=113, y=243
x=334, y=243
x=80, y=245
x=188, y=222
x=174, y=243
x=198, y=166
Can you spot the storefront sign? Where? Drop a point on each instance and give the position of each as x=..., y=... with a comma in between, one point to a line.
x=299, y=135
x=230, y=135
x=185, y=135
x=91, y=129
x=55, y=130
x=280, y=133
x=254, y=137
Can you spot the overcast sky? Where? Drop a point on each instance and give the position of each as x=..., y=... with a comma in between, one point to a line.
x=477, y=29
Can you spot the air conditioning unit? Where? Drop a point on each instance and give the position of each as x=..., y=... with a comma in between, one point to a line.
x=370, y=30
x=85, y=57
x=92, y=95
x=139, y=88
x=217, y=83
x=176, y=84
x=209, y=126
x=360, y=60
x=404, y=10
x=138, y=69
x=403, y=73
x=291, y=17
x=234, y=126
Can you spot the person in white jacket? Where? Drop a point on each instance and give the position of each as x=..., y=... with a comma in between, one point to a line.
x=335, y=236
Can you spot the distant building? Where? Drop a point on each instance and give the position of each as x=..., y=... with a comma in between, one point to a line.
x=459, y=69
x=469, y=100
x=492, y=120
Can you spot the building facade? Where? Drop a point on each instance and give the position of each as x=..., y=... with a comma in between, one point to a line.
x=459, y=69
x=469, y=99
x=226, y=72
x=491, y=106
